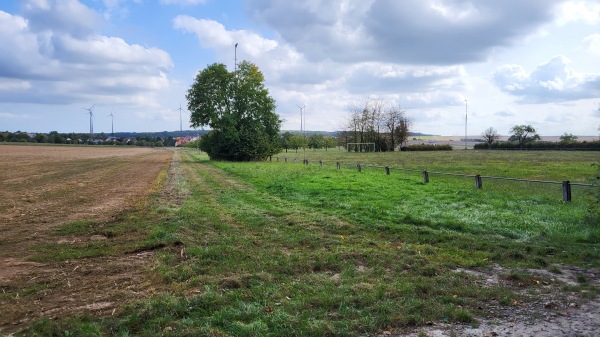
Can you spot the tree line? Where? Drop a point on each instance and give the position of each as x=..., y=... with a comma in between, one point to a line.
x=375, y=121
x=525, y=137
x=55, y=137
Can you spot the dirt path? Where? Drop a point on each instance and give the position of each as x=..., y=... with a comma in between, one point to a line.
x=44, y=187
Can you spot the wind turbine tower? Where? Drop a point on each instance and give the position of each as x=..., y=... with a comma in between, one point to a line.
x=91, y=112
x=180, y=122
x=112, y=123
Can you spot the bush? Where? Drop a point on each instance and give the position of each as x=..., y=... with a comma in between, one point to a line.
x=573, y=146
x=424, y=147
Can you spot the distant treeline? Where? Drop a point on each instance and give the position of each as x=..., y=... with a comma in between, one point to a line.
x=158, y=139
x=541, y=145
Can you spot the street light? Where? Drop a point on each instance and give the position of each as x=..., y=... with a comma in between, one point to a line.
x=465, y=124
x=235, y=60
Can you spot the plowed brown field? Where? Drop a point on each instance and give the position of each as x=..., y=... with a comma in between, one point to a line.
x=44, y=187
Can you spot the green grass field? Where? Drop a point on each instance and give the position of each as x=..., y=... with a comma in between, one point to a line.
x=284, y=249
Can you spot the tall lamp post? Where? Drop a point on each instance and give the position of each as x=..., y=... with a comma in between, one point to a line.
x=235, y=59
x=465, y=124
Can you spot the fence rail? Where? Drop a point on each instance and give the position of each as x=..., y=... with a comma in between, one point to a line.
x=566, y=184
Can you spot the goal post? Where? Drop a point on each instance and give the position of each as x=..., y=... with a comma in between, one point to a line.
x=360, y=147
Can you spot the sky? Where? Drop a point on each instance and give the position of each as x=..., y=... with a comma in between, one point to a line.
x=500, y=63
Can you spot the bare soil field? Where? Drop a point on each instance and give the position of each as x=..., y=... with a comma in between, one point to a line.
x=42, y=187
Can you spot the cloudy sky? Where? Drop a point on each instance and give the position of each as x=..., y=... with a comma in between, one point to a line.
x=514, y=62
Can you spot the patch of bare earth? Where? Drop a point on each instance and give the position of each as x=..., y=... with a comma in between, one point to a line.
x=42, y=187
x=548, y=310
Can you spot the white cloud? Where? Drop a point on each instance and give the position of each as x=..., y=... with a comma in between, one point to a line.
x=553, y=81
x=60, y=16
x=53, y=55
x=391, y=78
x=578, y=11
x=409, y=31
x=8, y=115
x=213, y=34
x=7, y=84
x=592, y=43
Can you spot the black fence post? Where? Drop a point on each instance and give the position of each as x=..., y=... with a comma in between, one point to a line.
x=294, y=160
x=270, y=158
x=425, y=177
x=478, y=181
x=306, y=161
x=285, y=159
x=358, y=167
x=566, y=187
x=338, y=165
x=320, y=163
x=387, y=170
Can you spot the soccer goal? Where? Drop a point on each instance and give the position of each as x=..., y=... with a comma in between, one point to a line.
x=360, y=147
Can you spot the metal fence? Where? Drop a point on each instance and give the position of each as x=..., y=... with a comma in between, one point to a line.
x=567, y=186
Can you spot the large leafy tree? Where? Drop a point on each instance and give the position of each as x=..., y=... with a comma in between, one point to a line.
x=523, y=134
x=238, y=109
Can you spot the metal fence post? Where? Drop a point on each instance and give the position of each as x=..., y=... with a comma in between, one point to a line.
x=387, y=170
x=338, y=165
x=425, y=177
x=358, y=167
x=320, y=163
x=566, y=187
x=285, y=159
x=478, y=181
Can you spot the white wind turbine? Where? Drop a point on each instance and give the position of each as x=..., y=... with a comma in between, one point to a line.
x=91, y=112
x=112, y=123
x=180, y=122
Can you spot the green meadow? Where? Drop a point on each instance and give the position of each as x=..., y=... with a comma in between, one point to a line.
x=285, y=249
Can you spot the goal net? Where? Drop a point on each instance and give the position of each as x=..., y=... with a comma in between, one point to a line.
x=360, y=147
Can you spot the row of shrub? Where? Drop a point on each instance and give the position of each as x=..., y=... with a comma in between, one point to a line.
x=426, y=147
x=541, y=145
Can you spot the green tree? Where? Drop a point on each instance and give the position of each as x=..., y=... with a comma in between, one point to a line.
x=55, y=137
x=524, y=134
x=286, y=140
x=41, y=138
x=330, y=142
x=238, y=109
x=316, y=141
x=568, y=138
x=297, y=141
